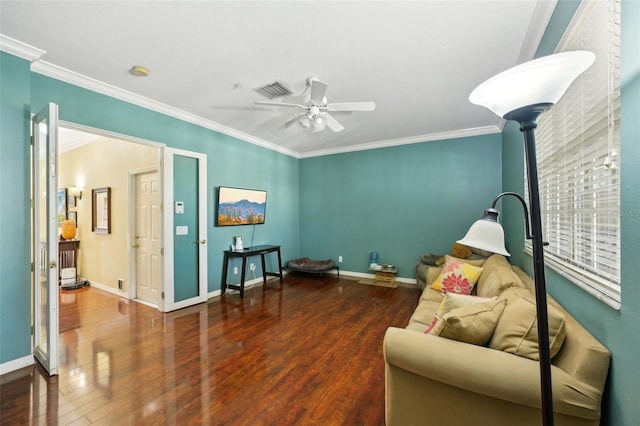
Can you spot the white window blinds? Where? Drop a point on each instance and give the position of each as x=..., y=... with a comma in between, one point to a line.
x=578, y=146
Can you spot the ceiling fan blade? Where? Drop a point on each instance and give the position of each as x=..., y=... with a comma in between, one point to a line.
x=333, y=124
x=293, y=120
x=352, y=106
x=284, y=104
x=318, y=90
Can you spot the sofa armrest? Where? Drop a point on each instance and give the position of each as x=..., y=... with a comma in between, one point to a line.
x=486, y=371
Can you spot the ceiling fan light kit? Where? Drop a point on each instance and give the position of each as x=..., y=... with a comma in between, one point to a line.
x=315, y=116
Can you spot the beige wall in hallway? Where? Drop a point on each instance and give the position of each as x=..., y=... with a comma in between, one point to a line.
x=106, y=162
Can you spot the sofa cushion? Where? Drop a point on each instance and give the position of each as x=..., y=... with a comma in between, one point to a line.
x=453, y=301
x=517, y=330
x=470, y=324
x=491, y=263
x=457, y=277
x=497, y=280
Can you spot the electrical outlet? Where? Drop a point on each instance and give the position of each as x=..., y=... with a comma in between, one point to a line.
x=120, y=284
x=340, y=259
x=235, y=270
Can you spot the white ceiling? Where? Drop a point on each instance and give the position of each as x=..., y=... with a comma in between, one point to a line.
x=417, y=60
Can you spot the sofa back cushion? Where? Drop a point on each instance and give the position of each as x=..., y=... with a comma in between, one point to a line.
x=498, y=280
x=497, y=276
x=517, y=330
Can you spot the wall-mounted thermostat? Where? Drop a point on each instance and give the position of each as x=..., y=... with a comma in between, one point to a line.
x=179, y=207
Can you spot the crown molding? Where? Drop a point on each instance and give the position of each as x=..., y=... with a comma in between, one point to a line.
x=432, y=137
x=20, y=49
x=63, y=74
x=537, y=26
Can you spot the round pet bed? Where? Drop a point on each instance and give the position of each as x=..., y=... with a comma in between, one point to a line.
x=304, y=264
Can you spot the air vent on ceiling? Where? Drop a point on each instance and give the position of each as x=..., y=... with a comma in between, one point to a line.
x=273, y=90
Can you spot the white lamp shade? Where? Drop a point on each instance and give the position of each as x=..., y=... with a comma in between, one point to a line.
x=541, y=81
x=486, y=235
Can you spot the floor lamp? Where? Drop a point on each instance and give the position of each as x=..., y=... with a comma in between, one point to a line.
x=521, y=94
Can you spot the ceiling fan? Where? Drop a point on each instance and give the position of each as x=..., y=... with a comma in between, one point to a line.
x=315, y=115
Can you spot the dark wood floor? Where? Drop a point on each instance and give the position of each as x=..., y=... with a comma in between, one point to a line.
x=307, y=354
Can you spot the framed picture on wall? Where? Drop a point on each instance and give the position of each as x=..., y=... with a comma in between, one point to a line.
x=62, y=205
x=73, y=215
x=238, y=206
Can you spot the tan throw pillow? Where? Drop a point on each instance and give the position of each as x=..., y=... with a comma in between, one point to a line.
x=517, y=330
x=498, y=280
x=450, y=302
x=470, y=324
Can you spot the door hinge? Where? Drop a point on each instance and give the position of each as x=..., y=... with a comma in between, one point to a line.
x=32, y=267
x=162, y=251
x=31, y=139
x=32, y=330
x=162, y=295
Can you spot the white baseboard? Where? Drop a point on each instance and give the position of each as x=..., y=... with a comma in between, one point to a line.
x=16, y=364
x=109, y=289
x=371, y=276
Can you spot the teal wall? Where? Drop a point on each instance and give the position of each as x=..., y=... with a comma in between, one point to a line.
x=399, y=201
x=15, y=282
x=618, y=330
x=230, y=162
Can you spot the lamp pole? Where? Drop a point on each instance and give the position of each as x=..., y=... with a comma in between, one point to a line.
x=546, y=79
x=527, y=117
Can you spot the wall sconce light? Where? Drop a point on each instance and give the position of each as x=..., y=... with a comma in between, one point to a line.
x=74, y=191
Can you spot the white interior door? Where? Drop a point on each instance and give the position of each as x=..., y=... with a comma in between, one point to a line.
x=185, y=229
x=46, y=209
x=148, y=232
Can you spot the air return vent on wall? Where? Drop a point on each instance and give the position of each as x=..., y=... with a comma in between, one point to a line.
x=273, y=90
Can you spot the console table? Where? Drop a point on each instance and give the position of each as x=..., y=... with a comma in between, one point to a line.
x=68, y=258
x=244, y=254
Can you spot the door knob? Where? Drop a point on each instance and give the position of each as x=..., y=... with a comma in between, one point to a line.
x=135, y=245
x=201, y=241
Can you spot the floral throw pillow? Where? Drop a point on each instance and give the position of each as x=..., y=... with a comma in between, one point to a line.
x=457, y=277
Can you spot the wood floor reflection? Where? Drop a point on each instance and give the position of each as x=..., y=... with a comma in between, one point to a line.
x=306, y=353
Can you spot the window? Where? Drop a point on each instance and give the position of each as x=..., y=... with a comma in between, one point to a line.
x=578, y=146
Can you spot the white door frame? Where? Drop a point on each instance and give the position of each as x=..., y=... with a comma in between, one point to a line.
x=167, y=299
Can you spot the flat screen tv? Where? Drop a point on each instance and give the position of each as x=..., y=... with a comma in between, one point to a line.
x=238, y=206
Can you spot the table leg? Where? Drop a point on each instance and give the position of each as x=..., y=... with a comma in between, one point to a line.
x=264, y=269
x=280, y=264
x=225, y=264
x=244, y=273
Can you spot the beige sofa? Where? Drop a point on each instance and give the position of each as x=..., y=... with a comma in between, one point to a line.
x=441, y=381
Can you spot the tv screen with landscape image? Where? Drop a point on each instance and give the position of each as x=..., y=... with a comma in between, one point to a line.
x=237, y=206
